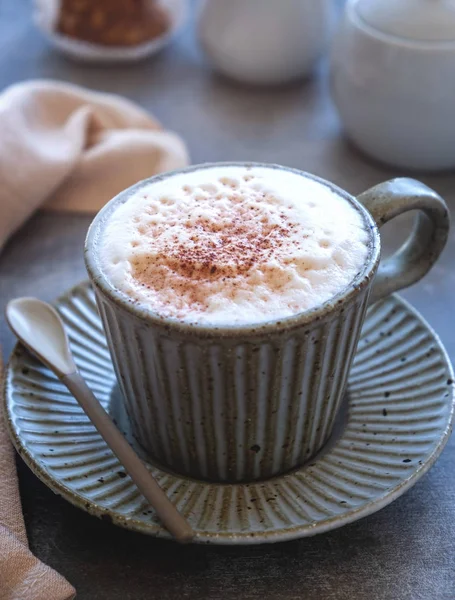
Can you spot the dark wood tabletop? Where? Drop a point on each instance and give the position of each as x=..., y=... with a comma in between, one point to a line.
x=404, y=552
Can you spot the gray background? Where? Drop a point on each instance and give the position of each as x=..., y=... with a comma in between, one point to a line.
x=407, y=550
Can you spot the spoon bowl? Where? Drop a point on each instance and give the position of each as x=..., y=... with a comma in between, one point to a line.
x=40, y=328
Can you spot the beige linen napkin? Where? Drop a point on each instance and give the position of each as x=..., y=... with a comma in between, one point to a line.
x=74, y=149
x=22, y=576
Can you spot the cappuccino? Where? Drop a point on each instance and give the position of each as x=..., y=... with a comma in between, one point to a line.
x=233, y=245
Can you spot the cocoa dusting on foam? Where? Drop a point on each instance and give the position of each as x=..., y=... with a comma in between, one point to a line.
x=237, y=238
x=232, y=245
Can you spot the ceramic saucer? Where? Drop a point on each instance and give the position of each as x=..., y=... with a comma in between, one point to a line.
x=397, y=419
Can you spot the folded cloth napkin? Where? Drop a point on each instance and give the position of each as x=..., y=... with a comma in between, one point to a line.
x=22, y=576
x=69, y=148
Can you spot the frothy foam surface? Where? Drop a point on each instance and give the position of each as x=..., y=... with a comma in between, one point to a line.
x=233, y=245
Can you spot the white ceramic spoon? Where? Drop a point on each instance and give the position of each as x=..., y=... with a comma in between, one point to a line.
x=39, y=327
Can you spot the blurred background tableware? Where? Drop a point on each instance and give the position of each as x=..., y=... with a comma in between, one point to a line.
x=264, y=41
x=110, y=31
x=393, y=80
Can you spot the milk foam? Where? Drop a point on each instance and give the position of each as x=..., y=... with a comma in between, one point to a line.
x=233, y=245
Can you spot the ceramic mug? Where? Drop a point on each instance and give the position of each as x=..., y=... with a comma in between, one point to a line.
x=393, y=91
x=241, y=403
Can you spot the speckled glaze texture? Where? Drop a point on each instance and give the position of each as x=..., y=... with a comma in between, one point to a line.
x=236, y=409
x=396, y=418
x=247, y=403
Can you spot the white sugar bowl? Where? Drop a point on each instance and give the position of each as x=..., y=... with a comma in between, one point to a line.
x=264, y=41
x=393, y=80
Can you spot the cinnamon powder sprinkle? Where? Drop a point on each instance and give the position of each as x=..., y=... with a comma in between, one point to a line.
x=239, y=238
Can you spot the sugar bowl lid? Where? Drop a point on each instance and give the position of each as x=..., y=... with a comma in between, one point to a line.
x=417, y=20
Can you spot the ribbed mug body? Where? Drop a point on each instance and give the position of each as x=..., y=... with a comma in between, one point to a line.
x=233, y=408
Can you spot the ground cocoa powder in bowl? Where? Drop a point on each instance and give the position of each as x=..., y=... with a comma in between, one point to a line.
x=113, y=22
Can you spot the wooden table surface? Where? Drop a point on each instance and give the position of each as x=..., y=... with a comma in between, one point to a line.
x=404, y=552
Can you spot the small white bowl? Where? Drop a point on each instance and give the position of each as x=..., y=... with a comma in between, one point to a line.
x=46, y=15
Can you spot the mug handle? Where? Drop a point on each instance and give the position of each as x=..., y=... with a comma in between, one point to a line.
x=421, y=250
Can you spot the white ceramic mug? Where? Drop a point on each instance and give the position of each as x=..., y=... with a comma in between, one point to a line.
x=264, y=41
x=395, y=92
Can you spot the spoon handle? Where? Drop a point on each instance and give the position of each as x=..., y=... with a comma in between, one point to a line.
x=174, y=522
